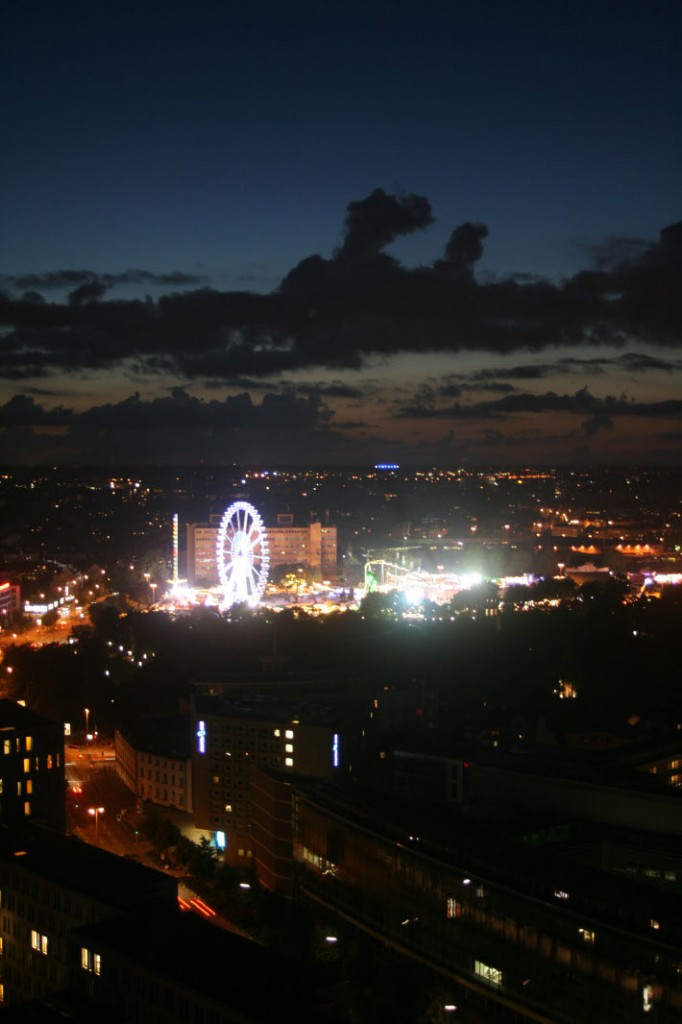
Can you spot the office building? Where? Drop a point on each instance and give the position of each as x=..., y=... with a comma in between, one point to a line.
x=230, y=736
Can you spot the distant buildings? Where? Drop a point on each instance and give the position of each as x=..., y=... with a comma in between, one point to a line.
x=313, y=546
x=10, y=602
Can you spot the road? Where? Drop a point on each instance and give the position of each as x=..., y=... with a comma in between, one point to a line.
x=101, y=810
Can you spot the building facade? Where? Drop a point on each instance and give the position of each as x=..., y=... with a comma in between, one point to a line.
x=154, y=762
x=521, y=934
x=313, y=546
x=232, y=736
x=32, y=786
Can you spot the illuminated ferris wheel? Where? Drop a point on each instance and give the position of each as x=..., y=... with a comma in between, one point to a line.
x=242, y=555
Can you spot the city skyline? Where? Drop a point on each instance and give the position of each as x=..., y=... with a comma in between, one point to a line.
x=342, y=235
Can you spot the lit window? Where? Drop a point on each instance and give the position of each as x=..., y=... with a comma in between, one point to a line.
x=289, y=747
x=7, y=747
x=27, y=808
x=91, y=961
x=27, y=765
x=289, y=734
x=647, y=998
x=277, y=732
x=29, y=743
x=655, y=924
x=454, y=908
x=289, y=762
x=490, y=974
x=588, y=935
x=39, y=942
x=49, y=761
x=29, y=785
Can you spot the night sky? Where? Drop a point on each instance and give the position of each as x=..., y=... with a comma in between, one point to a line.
x=321, y=232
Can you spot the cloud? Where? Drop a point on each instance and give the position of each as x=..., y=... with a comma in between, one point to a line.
x=615, y=250
x=594, y=424
x=175, y=428
x=581, y=402
x=345, y=311
x=375, y=222
x=463, y=250
x=93, y=291
x=61, y=280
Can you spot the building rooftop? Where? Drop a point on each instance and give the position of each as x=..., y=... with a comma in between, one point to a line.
x=233, y=970
x=270, y=708
x=16, y=716
x=167, y=737
x=88, y=870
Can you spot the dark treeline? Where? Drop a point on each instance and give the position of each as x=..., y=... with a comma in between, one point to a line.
x=620, y=658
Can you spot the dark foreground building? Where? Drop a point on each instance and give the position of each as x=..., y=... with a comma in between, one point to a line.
x=101, y=938
x=525, y=923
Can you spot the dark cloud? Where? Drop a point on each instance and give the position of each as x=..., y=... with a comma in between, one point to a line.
x=91, y=292
x=62, y=280
x=174, y=428
x=333, y=390
x=615, y=250
x=641, y=363
x=581, y=403
x=463, y=250
x=375, y=222
x=342, y=312
x=595, y=424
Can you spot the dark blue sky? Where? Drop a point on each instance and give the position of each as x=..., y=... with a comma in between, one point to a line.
x=218, y=145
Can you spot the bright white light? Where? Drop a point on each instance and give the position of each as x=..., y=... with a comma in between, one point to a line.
x=471, y=579
x=242, y=555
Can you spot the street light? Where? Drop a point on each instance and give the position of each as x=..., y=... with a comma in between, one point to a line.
x=153, y=589
x=87, y=719
x=95, y=812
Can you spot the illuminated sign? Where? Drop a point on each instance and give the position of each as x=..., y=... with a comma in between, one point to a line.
x=336, y=750
x=201, y=738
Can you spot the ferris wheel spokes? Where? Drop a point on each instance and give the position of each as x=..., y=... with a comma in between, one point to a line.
x=242, y=554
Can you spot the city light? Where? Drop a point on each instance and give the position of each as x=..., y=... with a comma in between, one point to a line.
x=95, y=813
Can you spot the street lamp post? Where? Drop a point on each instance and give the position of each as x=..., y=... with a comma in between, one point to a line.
x=95, y=812
x=87, y=720
x=153, y=589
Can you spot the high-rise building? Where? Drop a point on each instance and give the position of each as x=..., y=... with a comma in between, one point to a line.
x=289, y=736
